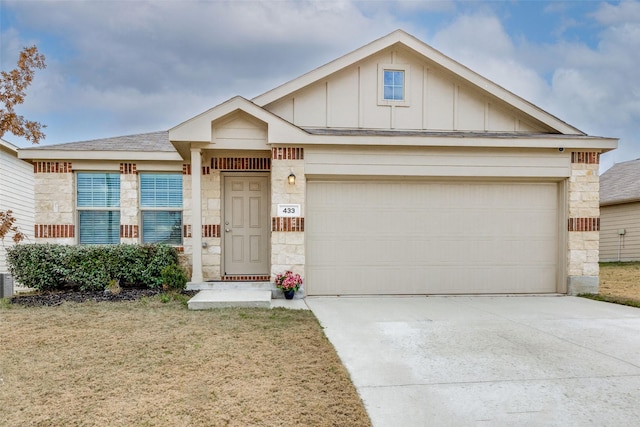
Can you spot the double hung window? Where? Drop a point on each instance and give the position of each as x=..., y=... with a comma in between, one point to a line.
x=98, y=204
x=161, y=208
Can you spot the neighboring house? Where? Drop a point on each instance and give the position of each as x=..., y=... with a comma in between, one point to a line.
x=16, y=195
x=391, y=170
x=620, y=212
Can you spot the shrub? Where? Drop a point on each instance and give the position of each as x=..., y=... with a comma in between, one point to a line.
x=160, y=256
x=55, y=267
x=37, y=266
x=174, y=278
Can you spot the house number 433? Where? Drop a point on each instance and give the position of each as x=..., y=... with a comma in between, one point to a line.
x=289, y=210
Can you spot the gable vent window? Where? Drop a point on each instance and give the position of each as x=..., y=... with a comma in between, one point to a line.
x=161, y=205
x=98, y=202
x=393, y=84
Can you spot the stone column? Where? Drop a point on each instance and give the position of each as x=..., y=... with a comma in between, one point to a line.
x=55, y=203
x=287, y=234
x=584, y=224
x=129, y=207
x=196, y=214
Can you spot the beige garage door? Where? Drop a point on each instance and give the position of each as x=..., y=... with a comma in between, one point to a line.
x=431, y=237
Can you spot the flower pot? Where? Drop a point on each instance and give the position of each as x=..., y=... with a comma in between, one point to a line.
x=289, y=294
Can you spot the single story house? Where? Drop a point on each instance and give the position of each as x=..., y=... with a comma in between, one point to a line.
x=16, y=195
x=620, y=212
x=390, y=170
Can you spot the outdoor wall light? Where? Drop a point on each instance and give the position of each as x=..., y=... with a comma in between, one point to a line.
x=292, y=178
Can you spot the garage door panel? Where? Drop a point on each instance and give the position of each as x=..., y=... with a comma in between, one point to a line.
x=430, y=237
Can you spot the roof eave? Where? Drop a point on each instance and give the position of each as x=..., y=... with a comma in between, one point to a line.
x=565, y=142
x=52, y=154
x=619, y=201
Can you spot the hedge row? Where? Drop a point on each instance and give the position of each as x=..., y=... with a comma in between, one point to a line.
x=57, y=267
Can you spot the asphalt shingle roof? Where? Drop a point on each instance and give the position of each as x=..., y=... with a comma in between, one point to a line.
x=621, y=183
x=153, y=141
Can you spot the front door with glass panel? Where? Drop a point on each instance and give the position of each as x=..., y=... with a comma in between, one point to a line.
x=246, y=224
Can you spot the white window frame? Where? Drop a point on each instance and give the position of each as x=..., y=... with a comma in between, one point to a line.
x=80, y=209
x=406, y=68
x=144, y=209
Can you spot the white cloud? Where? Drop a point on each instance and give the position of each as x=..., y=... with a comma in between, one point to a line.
x=123, y=67
x=481, y=43
x=595, y=89
x=156, y=62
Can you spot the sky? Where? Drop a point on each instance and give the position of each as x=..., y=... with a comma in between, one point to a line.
x=124, y=67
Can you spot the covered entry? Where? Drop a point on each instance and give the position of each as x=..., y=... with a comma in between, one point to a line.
x=431, y=237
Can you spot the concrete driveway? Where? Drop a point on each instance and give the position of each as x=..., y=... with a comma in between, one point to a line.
x=436, y=361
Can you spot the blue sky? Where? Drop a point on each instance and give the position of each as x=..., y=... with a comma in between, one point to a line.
x=129, y=66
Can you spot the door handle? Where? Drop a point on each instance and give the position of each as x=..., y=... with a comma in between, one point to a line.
x=227, y=230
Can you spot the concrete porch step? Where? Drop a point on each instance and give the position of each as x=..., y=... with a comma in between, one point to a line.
x=206, y=299
x=219, y=285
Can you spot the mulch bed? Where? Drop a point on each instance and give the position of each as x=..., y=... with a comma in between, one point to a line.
x=59, y=297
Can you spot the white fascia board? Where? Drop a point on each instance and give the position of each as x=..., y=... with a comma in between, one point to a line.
x=566, y=142
x=198, y=129
x=430, y=53
x=8, y=146
x=328, y=69
x=44, y=154
x=494, y=89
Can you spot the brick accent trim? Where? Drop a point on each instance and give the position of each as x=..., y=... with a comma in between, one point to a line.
x=208, y=230
x=246, y=278
x=52, y=167
x=48, y=231
x=128, y=168
x=287, y=153
x=129, y=231
x=588, y=157
x=584, y=224
x=241, y=163
x=186, y=169
x=211, y=230
x=287, y=224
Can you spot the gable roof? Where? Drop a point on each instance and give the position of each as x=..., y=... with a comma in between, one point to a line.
x=198, y=128
x=621, y=183
x=122, y=148
x=400, y=37
x=7, y=146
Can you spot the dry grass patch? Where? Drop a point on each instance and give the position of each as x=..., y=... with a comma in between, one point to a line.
x=146, y=363
x=620, y=280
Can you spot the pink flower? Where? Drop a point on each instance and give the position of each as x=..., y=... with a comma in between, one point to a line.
x=288, y=281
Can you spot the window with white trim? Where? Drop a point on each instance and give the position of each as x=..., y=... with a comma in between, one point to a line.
x=161, y=208
x=393, y=84
x=98, y=205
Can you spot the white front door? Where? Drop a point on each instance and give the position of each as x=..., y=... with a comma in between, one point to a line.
x=246, y=224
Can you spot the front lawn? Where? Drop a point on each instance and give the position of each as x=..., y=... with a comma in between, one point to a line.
x=149, y=363
x=619, y=283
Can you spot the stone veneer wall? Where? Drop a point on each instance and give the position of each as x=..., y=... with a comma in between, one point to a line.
x=129, y=204
x=287, y=234
x=54, y=202
x=211, y=220
x=584, y=224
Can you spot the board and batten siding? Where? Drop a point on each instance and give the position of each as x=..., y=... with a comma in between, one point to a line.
x=16, y=194
x=435, y=99
x=443, y=162
x=613, y=245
